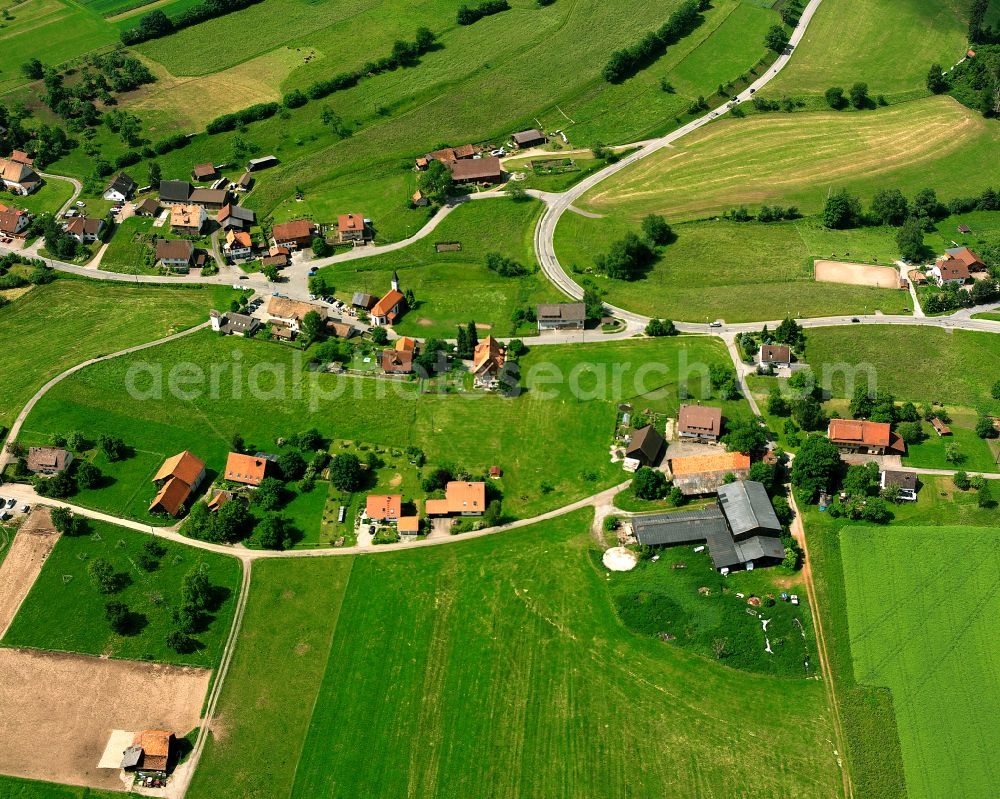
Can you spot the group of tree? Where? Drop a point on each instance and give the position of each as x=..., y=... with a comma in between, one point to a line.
x=435, y=182
x=723, y=380
x=627, y=62
x=765, y=214
x=975, y=82
x=857, y=96
x=467, y=15
x=505, y=266
x=650, y=484
x=816, y=466
x=745, y=435
x=57, y=241
x=660, y=327
x=232, y=522
x=197, y=598
x=776, y=38
x=983, y=487
x=468, y=339
x=629, y=258
x=862, y=500
x=951, y=296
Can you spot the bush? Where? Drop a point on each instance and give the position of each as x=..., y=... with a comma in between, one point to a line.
x=835, y=98
x=468, y=15
x=237, y=119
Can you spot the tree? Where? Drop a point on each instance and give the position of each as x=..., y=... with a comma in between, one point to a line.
x=113, y=448
x=985, y=498
x=292, y=464
x=719, y=648
x=180, y=642
x=842, y=210
x=472, y=335
x=271, y=273
x=783, y=510
x=650, y=484
x=807, y=413
x=593, y=303
x=777, y=405
x=321, y=247
x=911, y=432
x=88, y=476
x=627, y=259
x=269, y=493
x=118, y=616
x=237, y=443
x=861, y=480
x=985, y=428
x=272, y=532
x=744, y=435
x=936, y=81
x=102, y=574
x=309, y=440
x=656, y=230
x=927, y=207
x=66, y=523
x=816, y=466
x=776, y=38
x=345, y=472
x=75, y=441
x=953, y=453
x=889, y=207
x=516, y=191
x=516, y=348
x=859, y=95
x=835, y=97
x=312, y=325
x=962, y=481
x=196, y=591
x=153, y=174
x=910, y=240
x=434, y=182
x=231, y=522
x=995, y=391
x=763, y=473
x=33, y=69
x=791, y=333
x=379, y=336
x=875, y=510
x=660, y=327
x=494, y=514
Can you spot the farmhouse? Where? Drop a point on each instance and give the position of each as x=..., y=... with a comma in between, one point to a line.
x=175, y=253
x=856, y=437
x=149, y=753
x=48, y=460
x=210, y=199
x=644, y=448
x=388, y=309
x=148, y=207
x=238, y=245
x=120, y=188
x=777, y=355
x=529, y=138
x=394, y=362
x=13, y=221
x=461, y=498
x=187, y=220
x=703, y=474
x=178, y=478
x=741, y=531
x=448, y=155
x=949, y=271
x=236, y=217
x=487, y=361
x=906, y=482
x=699, y=422
x=204, y=172
x=292, y=312
x=264, y=162
x=293, y=235
x=383, y=507
x=84, y=229
x=477, y=170
x=561, y=316
x=341, y=329
x=18, y=177
x=351, y=228
x=22, y=157
x=173, y=192
x=966, y=256
x=246, y=469
x=233, y=324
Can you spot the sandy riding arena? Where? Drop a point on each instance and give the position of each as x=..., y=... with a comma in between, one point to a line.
x=883, y=277
x=58, y=711
x=619, y=559
x=21, y=567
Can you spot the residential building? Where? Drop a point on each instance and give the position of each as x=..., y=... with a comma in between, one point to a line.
x=408, y=525
x=233, y=324
x=13, y=221
x=383, y=507
x=776, y=355
x=177, y=479
x=405, y=344
x=949, y=271
x=18, y=177
x=175, y=192
x=120, y=188
x=149, y=754
x=187, y=220
x=388, y=309
x=448, y=155
x=341, y=329
x=966, y=256
x=906, y=482
x=204, y=172
x=696, y=475
x=210, y=199
x=351, y=228
x=529, y=138
x=477, y=170
x=246, y=469
x=84, y=229
x=236, y=217
x=148, y=207
x=699, y=423
x=487, y=361
x=48, y=460
x=858, y=437
x=175, y=253
x=22, y=157
x=561, y=316
x=280, y=261
x=461, y=498
x=394, y=362
x=293, y=235
x=741, y=530
x=644, y=448
x=292, y=312
x=264, y=162
x=238, y=246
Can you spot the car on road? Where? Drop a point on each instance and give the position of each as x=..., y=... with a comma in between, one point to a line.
x=855, y=320
x=716, y=323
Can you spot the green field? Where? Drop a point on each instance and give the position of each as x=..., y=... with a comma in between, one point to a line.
x=49, y=199
x=978, y=454
x=511, y=639
x=65, y=612
x=17, y=788
x=57, y=326
x=737, y=272
x=453, y=287
x=797, y=159
x=563, y=418
x=922, y=624
x=128, y=251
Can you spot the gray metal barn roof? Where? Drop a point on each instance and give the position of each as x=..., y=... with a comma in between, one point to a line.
x=748, y=508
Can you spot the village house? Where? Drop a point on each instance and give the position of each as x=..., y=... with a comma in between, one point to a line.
x=149, y=755
x=84, y=229
x=238, y=246
x=383, y=507
x=264, y=162
x=477, y=170
x=148, y=207
x=408, y=525
x=487, y=361
x=236, y=217
x=699, y=423
x=695, y=475
x=390, y=308
x=48, y=460
x=292, y=312
x=245, y=183
x=210, y=199
x=187, y=220
x=777, y=355
x=448, y=155
x=966, y=256
x=949, y=271
x=175, y=253
x=906, y=482
x=233, y=324
x=175, y=192
x=246, y=469
x=561, y=316
x=858, y=437
x=120, y=188
x=461, y=498
x=293, y=235
x=529, y=138
x=405, y=344
x=13, y=221
x=19, y=177
x=644, y=448
x=178, y=478
x=351, y=228
x=340, y=329
x=394, y=362
x=22, y=157
x=279, y=261
x=220, y=499
x=202, y=173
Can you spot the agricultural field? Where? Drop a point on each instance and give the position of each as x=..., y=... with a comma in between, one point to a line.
x=59, y=325
x=17, y=788
x=737, y=272
x=453, y=287
x=922, y=626
x=562, y=417
x=64, y=610
x=523, y=643
x=797, y=159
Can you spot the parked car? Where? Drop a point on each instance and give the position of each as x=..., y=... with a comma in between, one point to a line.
x=81, y=204
x=11, y=503
x=25, y=508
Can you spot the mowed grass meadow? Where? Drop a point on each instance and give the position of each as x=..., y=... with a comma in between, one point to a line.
x=17, y=788
x=922, y=605
x=502, y=670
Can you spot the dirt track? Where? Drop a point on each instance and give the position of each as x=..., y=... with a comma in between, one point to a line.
x=885, y=277
x=58, y=711
x=30, y=548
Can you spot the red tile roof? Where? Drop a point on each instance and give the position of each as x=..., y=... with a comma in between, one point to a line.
x=383, y=506
x=292, y=231
x=184, y=465
x=699, y=419
x=246, y=469
x=349, y=223
x=387, y=303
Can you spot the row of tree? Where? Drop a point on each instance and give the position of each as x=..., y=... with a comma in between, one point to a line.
x=467, y=15
x=627, y=62
x=156, y=24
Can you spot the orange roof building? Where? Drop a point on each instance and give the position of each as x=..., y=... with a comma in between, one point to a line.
x=703, y=474
x=854, y=436
x=408, y=525
x=154, y=747
x=388, y=309
x=383, y=507
x=461, y=498
x=406, y=344
x=178, y=478
x=246, y=469
x=487, y=361
x=351, y=227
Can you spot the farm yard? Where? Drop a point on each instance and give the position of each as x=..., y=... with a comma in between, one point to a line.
x=856, y=274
